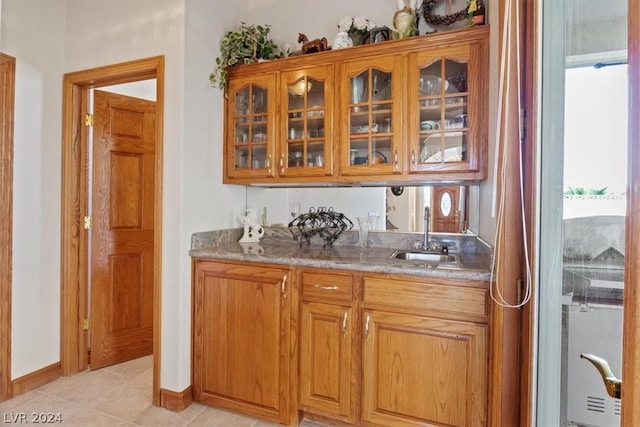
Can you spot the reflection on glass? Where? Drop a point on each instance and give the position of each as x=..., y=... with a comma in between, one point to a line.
x=250, y=133
x=450, y=208
x=443, y=119
x=371, y=117
x=305, y=123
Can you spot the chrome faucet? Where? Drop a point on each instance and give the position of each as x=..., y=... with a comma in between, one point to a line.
x=425, y=241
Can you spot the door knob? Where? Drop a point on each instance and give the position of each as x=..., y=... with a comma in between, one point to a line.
x=612, y=384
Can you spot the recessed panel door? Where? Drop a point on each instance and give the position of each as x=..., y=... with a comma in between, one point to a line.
x=122, y=233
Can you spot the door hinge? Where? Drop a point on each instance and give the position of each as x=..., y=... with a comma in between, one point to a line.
x=87, y=222
x=86, y=324
x=88, y=120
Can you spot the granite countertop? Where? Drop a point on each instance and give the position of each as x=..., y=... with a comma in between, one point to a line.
x=278, y=247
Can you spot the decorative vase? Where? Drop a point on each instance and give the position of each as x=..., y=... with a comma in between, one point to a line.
x=357, y=37
x=342, y=40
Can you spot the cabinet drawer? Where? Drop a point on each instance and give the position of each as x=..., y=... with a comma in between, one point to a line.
x=321, y=286
x=428, y=296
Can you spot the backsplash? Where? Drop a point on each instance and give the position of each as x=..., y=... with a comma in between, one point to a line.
x=381, y=239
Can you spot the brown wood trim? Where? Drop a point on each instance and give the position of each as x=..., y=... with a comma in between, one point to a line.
x=36, y=379
x=74, y=262
x=631, y=306
x=530, y=60
x=7, y=96
x=504, y=343
x=369, y=50
x=176, y=401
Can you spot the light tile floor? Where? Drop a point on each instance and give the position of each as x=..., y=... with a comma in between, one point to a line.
x=118, y=395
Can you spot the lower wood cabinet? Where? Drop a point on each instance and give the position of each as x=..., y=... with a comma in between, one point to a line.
x=328, y=368
x=419, y=370
x=425, y=351
x=358, y=348
x=241, y=351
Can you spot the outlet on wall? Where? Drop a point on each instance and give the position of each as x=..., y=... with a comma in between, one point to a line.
x=294, y=209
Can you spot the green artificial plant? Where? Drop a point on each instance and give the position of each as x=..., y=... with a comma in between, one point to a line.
x=245, y=45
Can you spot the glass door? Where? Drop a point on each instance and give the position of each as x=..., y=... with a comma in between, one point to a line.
x=582, y=203
x=250, y=137
x=373, y=127
x=307, y=132
x=443, y=100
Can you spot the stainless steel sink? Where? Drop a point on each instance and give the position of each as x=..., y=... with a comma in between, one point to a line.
x=428, y=257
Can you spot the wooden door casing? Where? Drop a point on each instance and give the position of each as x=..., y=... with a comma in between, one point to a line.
x=7, y=93
x=122, y=232
x=241, y=338
x=420, y=370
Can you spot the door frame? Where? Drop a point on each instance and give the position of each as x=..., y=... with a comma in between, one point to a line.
x=75, y=179
x=7, y=80
x=630, y=402
x=631, y=305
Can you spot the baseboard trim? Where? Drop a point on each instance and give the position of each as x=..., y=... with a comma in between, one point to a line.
x=36, y=379
x=176, y=401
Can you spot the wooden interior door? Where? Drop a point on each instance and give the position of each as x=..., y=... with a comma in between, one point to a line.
x=122, y=233
x=445, y=209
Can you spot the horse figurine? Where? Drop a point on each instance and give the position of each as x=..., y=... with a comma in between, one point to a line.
x=312, y=46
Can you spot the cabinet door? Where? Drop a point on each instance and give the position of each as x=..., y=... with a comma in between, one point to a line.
x=306, y=128
x=326, y=364
x=447, y=121
x=421, y=370
x=371, y=116
x=250, y=127
x=241, y=339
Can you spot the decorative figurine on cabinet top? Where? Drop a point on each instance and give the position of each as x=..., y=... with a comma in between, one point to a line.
x=252, y=230
x=405, y=20
x=312, y=46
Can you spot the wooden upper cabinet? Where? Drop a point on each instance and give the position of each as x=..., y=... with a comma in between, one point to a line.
x=250, y=132
x=306, y=122
x=403, y=111
x=371, y=116
x=447, y=123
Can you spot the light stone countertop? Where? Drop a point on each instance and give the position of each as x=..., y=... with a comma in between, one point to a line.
x=278, y=247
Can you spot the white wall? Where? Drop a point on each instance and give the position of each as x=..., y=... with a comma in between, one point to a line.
x=50, y=38
x=33, y=33
x=206, y=203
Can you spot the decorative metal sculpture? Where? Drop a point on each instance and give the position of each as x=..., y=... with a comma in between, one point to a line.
x=323, y=222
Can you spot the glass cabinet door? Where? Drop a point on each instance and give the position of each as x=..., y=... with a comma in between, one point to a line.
x=442, y=120
x=373, y=127
x=252, y=139
x=306, y=133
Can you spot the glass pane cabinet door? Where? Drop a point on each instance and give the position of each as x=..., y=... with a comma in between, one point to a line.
x=443, y=119
x=306, y=132
x=372, y=125
x=250, y=130
x=447, y=120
